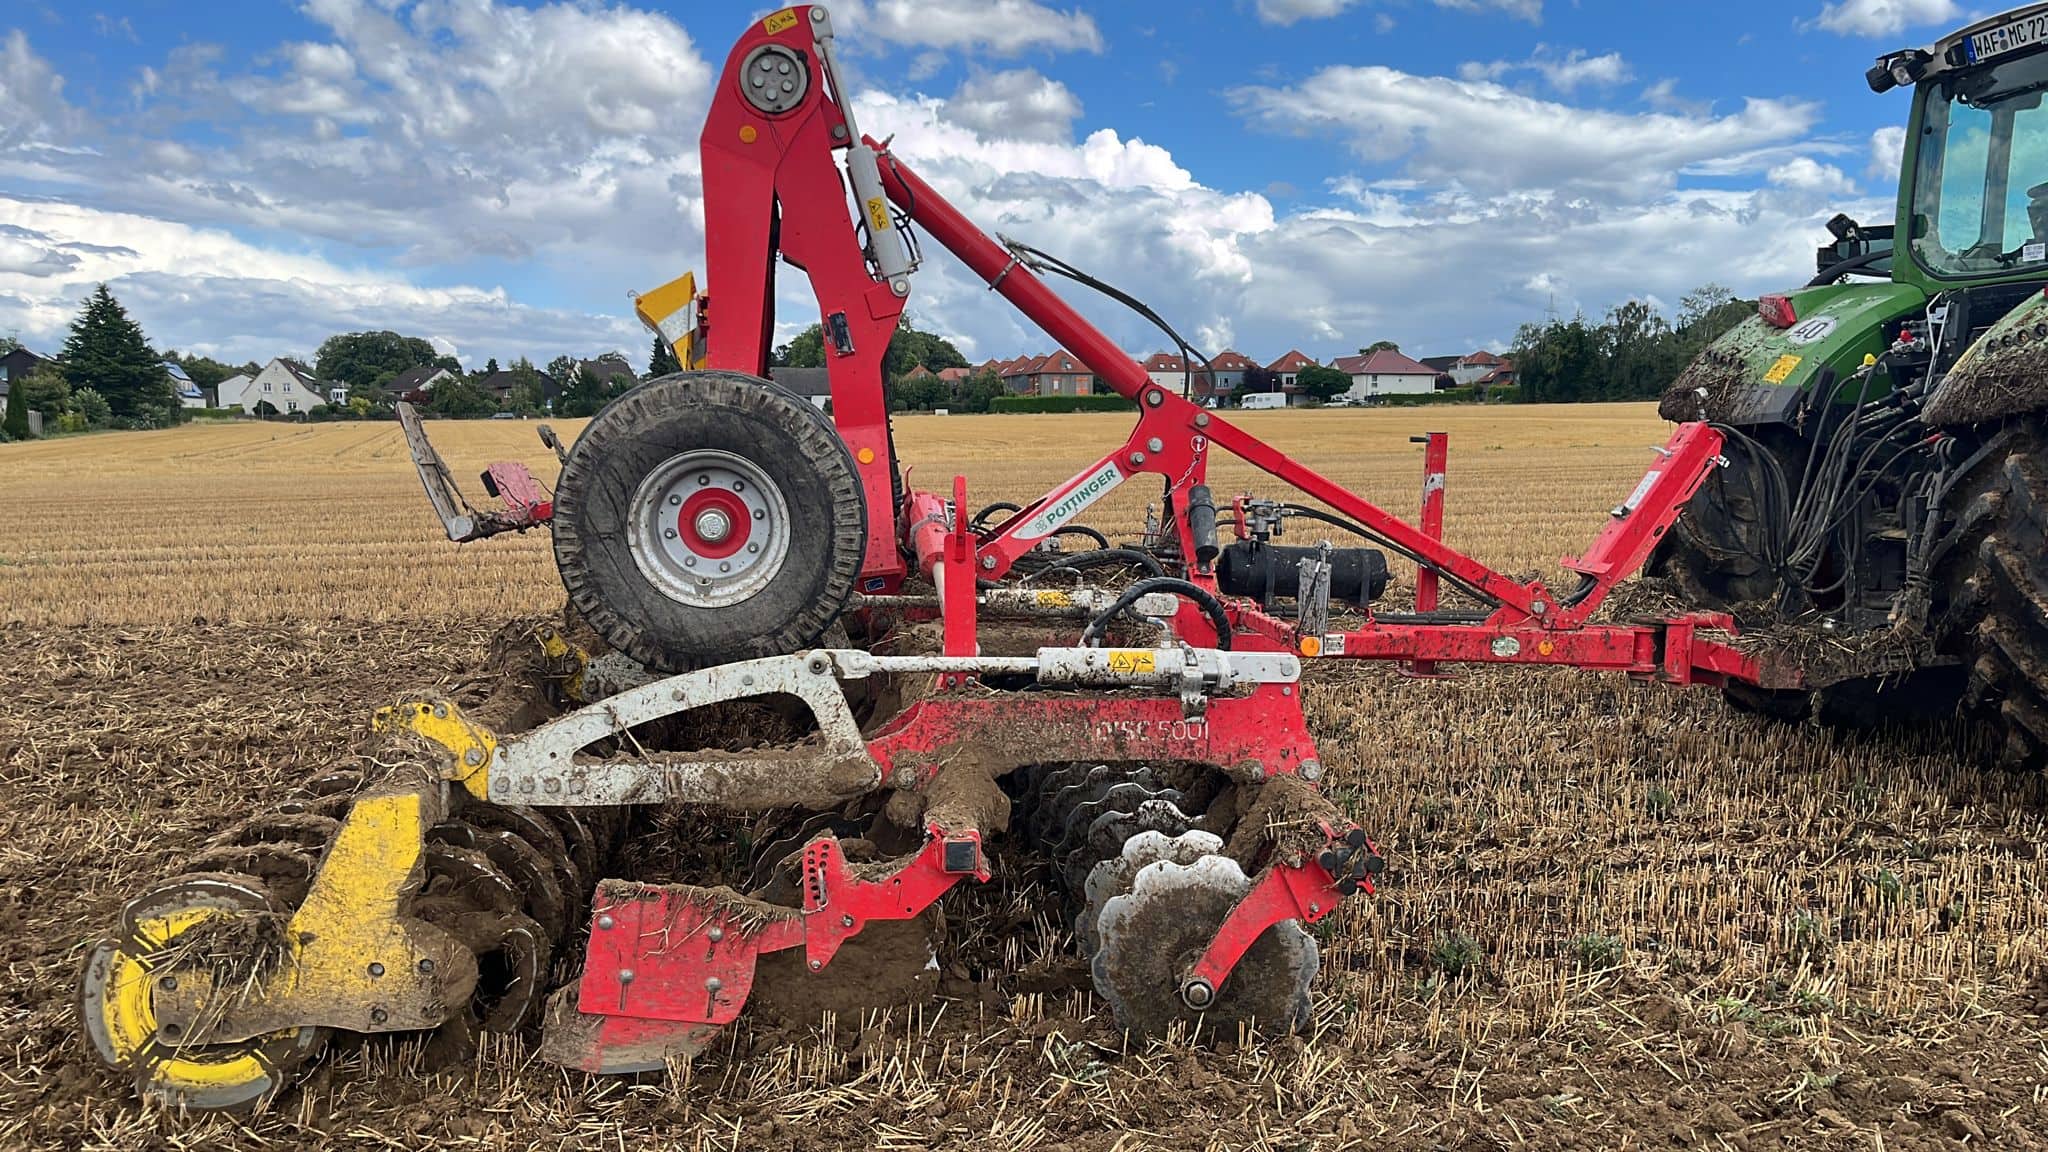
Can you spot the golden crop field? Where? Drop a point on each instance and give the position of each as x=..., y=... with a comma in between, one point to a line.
x=1616, y=916
x=269, y=522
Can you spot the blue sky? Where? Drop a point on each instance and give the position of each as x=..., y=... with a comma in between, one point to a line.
x=1268, y=173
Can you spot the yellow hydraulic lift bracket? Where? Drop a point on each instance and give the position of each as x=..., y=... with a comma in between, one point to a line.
x=470, y=745
x=675, y=312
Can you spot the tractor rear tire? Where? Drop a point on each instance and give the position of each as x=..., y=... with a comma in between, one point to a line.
x=708, y=517
x=1997, y=615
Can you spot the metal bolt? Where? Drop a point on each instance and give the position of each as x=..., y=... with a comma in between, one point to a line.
x=725, y=566
x=713, y=525
x=689, y=561
x=818, y=15
x=668, y=533
x=753, y=548
x=674, y=499
x=1315, y=909
x=625, y=975
x=817, y=964
x=604, y=923
x=713, y=985
x=426, y=965
x=473, y=757
x=715, y=934
x=1311, y=770
x=739, y=485
x=552, y=785
x=440, y=711
x=988, y=562
x=702, y=480
x=1155, y=444
x=846, y=921
x=1540, y=607
x=839, y=131
x=1137, y=458
x=168, y=983
x=376, y=969
x=1201, y=419
x=676, y=695
x=1155, y=397
x=1287, y=689
x=760, y=514
x=746, y=681
x=378, y=1015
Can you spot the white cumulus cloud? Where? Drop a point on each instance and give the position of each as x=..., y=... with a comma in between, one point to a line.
x=1885, y=17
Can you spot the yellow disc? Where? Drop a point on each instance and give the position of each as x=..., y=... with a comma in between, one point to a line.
x=865, y=455
x=747, y=134
x=118, y=1010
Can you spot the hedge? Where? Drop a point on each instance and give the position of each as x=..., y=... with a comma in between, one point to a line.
x=1106, y=403
x=1444, y=396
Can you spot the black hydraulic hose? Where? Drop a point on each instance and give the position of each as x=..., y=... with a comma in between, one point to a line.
x=1101, y=541
x=1101, y=558
x=1203, y=598
x=989, y=510
x=1054, y=264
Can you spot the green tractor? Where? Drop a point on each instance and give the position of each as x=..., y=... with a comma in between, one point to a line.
x=1883, y=519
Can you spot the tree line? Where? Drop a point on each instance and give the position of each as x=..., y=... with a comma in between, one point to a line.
x=1632, y=354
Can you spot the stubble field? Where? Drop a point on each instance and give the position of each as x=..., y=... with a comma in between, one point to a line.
x=1616, y=916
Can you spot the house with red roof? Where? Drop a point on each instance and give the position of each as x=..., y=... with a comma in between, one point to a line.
x=1469, y=370
x=1167, y=370
x=1286, y=367
x=1385, y=373
x=1057, y=373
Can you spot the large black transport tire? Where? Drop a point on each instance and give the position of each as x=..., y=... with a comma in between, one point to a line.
x=708, y=517
x=1997, y=580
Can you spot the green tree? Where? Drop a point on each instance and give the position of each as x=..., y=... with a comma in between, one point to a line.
x=15, y=423
x=367, y=361
x=45, y=389
x=1379, y=346
x=91, y=408
x=975, y=392
x=807, y=350
x=909, y=347
x=582, y=394
x=662, y=360
x=1560, y=362
x=461, y=398
x=491, y=366
x=108, y=352
x=528, y=395
x=1257, y=379
x=1323, y=383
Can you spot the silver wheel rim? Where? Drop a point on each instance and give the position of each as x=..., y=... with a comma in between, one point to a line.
x=708, y=528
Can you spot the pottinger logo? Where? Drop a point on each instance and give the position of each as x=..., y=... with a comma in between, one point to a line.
x=1085, y=491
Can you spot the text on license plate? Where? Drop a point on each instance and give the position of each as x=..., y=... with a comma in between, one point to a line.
x=2009, y=37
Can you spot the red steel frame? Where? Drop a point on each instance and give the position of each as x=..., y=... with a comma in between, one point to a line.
x=672, y=961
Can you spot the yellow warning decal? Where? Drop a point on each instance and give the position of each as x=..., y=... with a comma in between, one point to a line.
x=878, y=213
x=1131, y=661
x=1781, y=370
x=1051, y=599
x=780, y=22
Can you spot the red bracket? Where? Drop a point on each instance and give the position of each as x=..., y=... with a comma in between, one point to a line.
x=686, y=954
x=1307, y=891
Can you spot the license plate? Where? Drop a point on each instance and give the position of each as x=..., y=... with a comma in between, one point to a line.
x=2022, y=33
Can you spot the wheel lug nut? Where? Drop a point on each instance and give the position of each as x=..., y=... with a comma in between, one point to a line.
x=669, y=533
x=703, y=480
x=724, y=566
x=689, y=561
x=674, y=499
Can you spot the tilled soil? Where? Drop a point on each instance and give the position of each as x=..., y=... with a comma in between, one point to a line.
x=1615, y=916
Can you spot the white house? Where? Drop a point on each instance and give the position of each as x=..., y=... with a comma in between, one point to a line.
x=1167, y=370
x=287, y=385
x=1385, y=373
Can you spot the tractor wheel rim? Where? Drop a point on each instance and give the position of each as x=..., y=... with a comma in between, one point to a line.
x=709, y=528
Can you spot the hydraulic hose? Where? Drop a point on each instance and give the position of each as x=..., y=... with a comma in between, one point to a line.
x=1203, y=598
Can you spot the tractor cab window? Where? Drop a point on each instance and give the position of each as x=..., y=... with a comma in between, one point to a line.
x=1980, y=198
